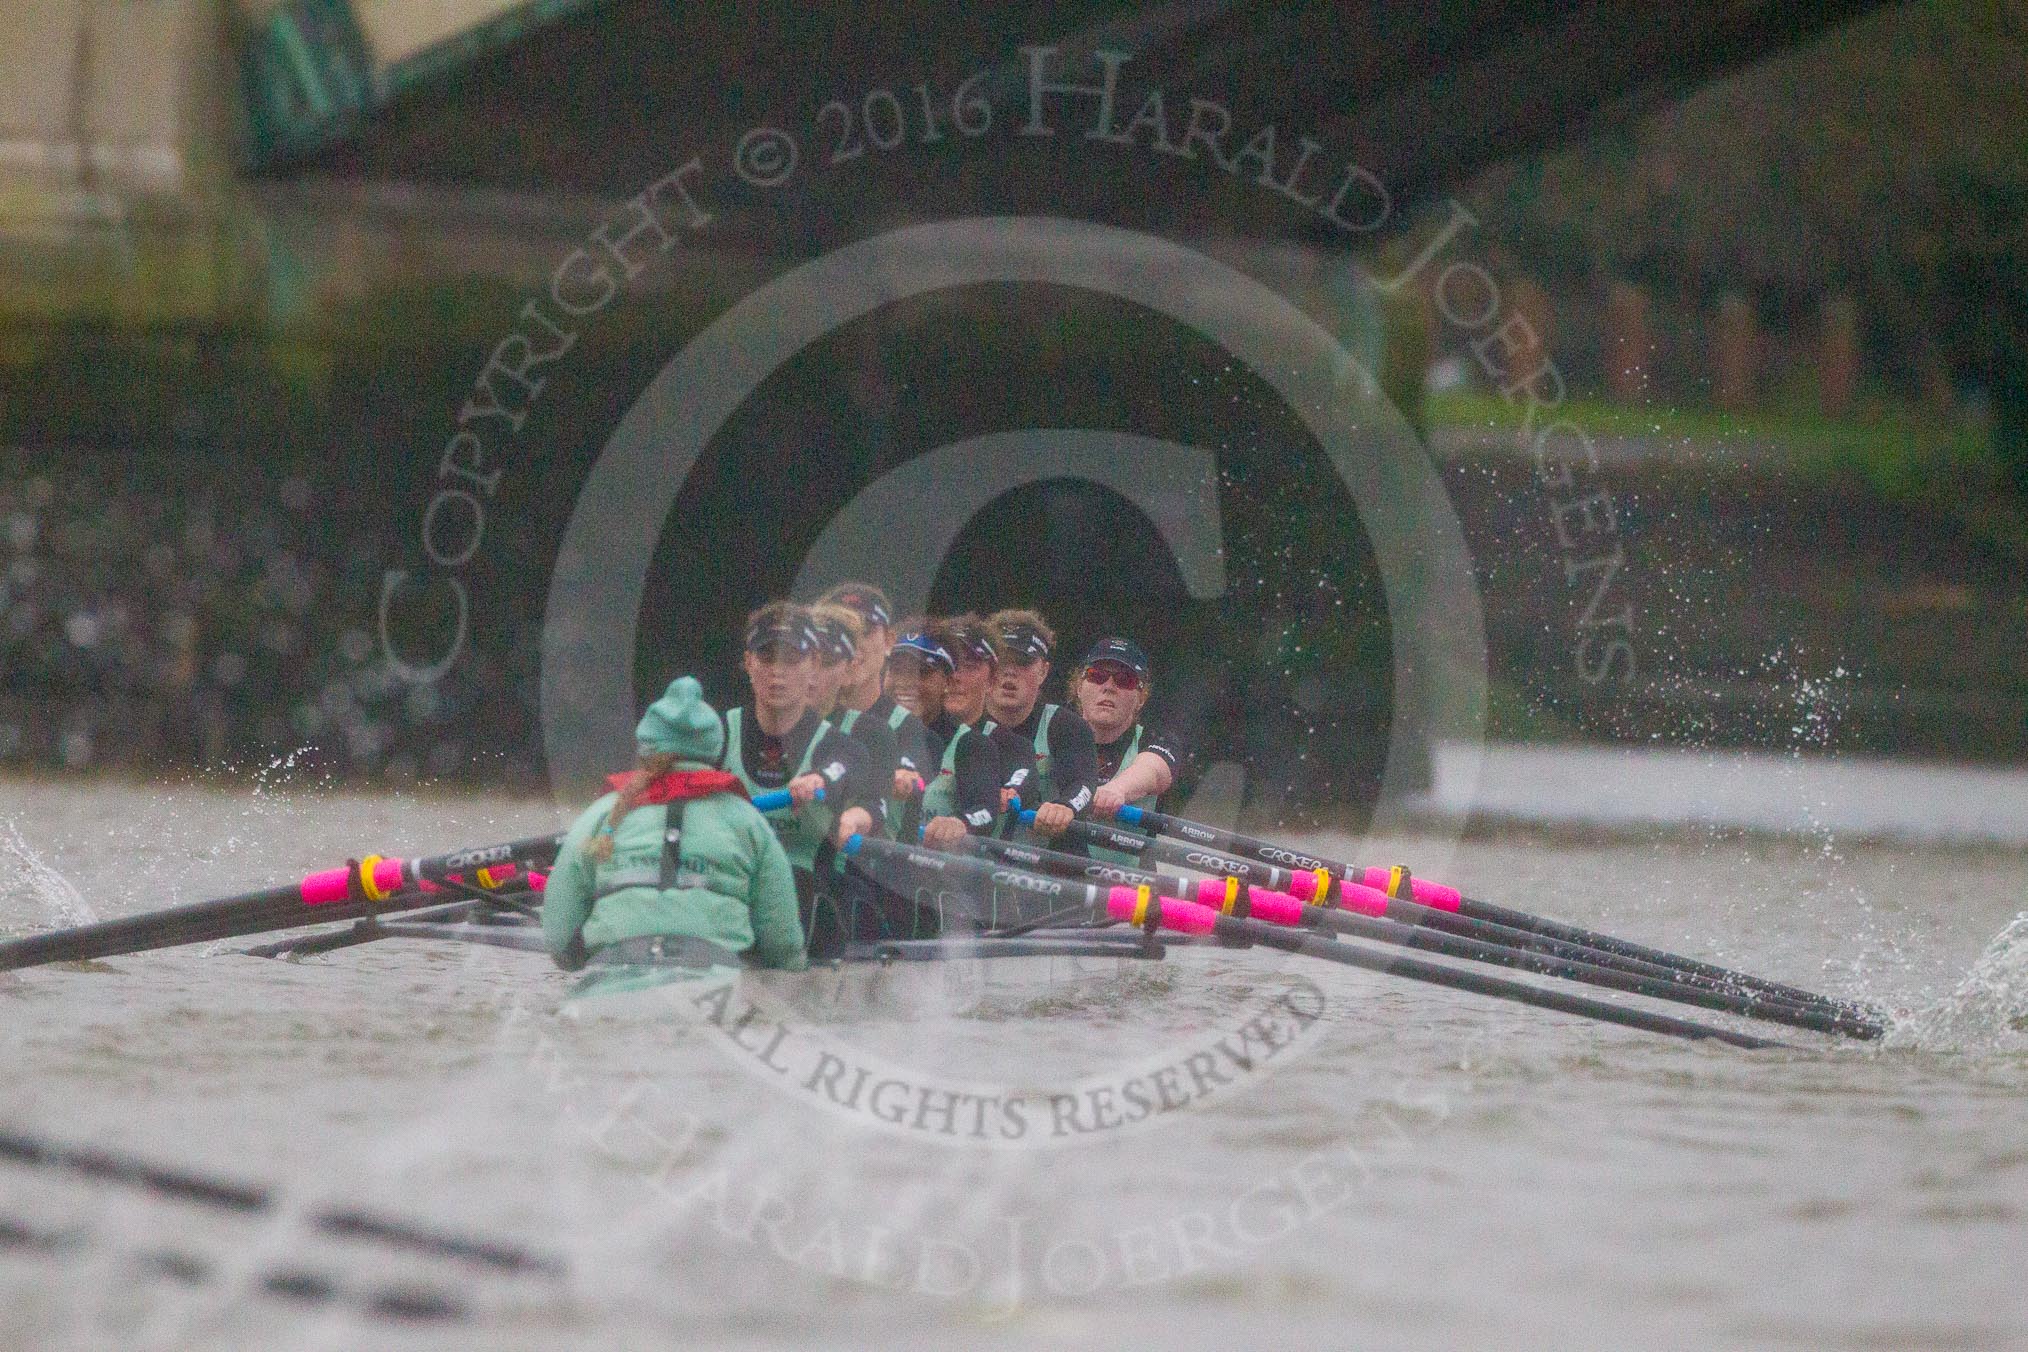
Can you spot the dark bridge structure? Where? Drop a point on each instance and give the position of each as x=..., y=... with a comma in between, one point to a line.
x=1290, y=140
x=601, y=96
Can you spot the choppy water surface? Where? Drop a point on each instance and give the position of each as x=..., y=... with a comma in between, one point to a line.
x=1401, y=1166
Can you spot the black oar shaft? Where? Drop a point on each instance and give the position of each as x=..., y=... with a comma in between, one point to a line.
x=1627, y=948
x=271, y=908
x=1475, y=950
x=989, y=894
x=1457, y=978
x=1203, y=858
x=194, y=924
x=879, y=854
x=1268, y=851
x=248, y=1199
x=1663, y=987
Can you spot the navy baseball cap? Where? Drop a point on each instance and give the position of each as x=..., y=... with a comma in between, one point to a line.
x=968, y=642
x=927, y=649
x=1122, y=650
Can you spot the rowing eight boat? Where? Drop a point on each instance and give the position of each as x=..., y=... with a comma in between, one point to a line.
x=1021, y=922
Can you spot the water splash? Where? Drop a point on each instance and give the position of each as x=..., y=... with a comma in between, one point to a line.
x=272, y=801
x=33, y=889
x=272, y=779
x=1989, y=1009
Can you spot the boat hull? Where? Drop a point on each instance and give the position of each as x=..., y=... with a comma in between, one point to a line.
x=915, y=980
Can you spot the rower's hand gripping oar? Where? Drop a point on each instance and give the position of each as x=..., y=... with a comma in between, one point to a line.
x=1142, y=906
x=370, y=886
x=1438, y=896
x=776, y=799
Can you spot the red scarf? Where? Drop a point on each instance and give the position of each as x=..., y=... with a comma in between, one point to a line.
x=679, y=785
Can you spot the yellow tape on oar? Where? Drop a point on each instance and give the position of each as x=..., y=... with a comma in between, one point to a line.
x=1231, y=894
x=1141, y=904
x=367, y=868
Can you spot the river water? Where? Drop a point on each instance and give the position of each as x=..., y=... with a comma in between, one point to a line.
x=1229, y=1148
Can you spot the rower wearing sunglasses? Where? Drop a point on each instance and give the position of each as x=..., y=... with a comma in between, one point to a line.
x=1136, y=766
x=1055, y=760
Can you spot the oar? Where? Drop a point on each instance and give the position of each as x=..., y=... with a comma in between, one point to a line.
x=1443, y=898
x=1231, y=896
x=430, y=921
x=369, y=886
x=346, y=1222
x=372, y=886
x=405, y=1303
x=1369, y=901
x=1017, y=889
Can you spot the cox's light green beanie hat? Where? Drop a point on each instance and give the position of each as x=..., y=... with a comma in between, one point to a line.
x=681, y=724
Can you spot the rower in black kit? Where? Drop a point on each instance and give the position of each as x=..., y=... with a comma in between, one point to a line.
x=865, y=699
x=943, y=670
x=840, y=632
x=1049, y=753
x=779, y=742
x=964, y=796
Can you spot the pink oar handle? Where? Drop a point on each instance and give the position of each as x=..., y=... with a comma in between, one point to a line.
x=1307, y=885
x=1137, y=905
x=1364, y=900
x=1261, y=903
x=384, y=877
x=330, y=886
x=1433, y=895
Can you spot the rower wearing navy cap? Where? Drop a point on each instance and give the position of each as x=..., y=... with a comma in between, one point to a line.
x=779, y=742
x=915, y=650
x=1054, y=768
x=1136, y=766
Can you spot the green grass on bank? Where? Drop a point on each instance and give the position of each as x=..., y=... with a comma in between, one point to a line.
x=1897, y=450
x=1883, y=435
